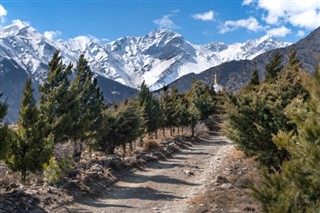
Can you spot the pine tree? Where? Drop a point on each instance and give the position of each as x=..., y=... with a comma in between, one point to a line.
x=168, y=110
x=296, y=188
x=193, y=99
x=255, y=79
x=3, y=128
x=253, y=117
x=125, y=121
x=273, y=68
x=56, y=101
x=201, y=103
x=30, y=149
x=183, y=116
x=87, y=116
x=149, y=106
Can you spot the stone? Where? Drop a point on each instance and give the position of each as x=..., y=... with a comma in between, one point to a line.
x=116, y=164
x=221, y=180
x=226, y=186
x=189, y=173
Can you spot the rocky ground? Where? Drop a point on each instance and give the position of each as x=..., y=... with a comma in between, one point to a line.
x=205, y=174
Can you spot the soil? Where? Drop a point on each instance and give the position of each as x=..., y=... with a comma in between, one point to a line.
x=181, y=174
x=182, y=183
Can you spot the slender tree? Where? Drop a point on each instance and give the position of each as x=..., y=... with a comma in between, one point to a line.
x=56, y=101
x=3, y=128
x=30, y=149
x=255, y=79
x=149, y=106
x=87, y=116
x=274, y=67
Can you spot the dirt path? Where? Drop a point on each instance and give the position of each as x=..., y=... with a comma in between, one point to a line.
x=163, y=186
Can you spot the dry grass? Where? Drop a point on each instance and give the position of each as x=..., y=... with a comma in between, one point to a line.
x=237, y=154
x=150, y=145
x=243, y=172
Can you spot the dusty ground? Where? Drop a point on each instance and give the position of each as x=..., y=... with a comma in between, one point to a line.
x=205, y=174
x=186, y=182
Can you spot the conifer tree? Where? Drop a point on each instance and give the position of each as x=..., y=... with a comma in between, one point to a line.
x=30, y=149
x=201, y=103
x=183, y=116
x=193, y=99
x=87, y=116
x=274, y=67
x=148, y=104
x=56, y=101
x=3, y=128
x=125, y=121
x=253, y=118
x=167, y=107
x=296, y=188
x=255, y=79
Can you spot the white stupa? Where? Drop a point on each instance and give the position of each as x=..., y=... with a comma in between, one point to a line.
x=216, y=86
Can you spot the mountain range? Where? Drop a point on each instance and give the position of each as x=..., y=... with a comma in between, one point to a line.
x=158, y=58
x=234, y=74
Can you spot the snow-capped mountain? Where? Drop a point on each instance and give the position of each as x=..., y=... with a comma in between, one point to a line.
x=158, y=58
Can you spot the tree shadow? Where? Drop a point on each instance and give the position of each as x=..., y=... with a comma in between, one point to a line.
x=141, y=193
x=158, y=179
x=19, y=201
x=93, y=203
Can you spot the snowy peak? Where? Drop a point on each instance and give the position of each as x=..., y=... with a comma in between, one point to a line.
x=15, y=28
x=216, y=46
x=158, y=58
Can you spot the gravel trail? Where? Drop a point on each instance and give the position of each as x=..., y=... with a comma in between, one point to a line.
x=163, y=186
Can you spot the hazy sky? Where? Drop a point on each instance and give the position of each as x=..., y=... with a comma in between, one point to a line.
x=198, y=21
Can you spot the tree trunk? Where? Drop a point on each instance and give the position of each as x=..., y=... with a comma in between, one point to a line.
x=23, y=176
x=75, y=150
x=182, y=129
x=192, y=128
x=171, y=131
x=110, y=150
x=131, y=146
x=178, y=130
x=163, y=131
x=156, y=134
x=124, y=148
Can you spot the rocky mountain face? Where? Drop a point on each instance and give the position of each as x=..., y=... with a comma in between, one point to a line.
x=234, y=74
x=158, y=58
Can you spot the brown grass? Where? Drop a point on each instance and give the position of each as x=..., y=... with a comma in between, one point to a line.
x=243, y=173
x=237, y=154
x=150, y=145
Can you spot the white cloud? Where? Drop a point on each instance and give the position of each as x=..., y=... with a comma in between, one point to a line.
x=250, y=23
x=166, y=22
x=3, y=12
x=51, y=34
x=279, y=32
x=299, y=13
x=301, y=33
x=176, y=11
x=207, y=16
x=247, y=2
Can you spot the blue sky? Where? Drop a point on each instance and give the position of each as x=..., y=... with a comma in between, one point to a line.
x=198, y=21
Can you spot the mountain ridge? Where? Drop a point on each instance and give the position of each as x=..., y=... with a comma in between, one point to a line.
x=234, y=74
x=157, y=58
